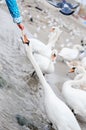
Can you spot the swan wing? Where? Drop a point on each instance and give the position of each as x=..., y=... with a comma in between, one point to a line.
x=59, y=114
x=68, y=53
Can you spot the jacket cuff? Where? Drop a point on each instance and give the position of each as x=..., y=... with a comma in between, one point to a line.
x=17, y=20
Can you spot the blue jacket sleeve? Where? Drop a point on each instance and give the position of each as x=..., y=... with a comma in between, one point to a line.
x=14, y=10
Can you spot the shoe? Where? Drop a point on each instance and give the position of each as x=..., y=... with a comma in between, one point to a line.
x=66, y=11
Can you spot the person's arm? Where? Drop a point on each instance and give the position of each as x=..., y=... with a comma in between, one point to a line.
x=15, y=13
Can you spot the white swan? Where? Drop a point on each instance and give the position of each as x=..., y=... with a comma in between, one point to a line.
x=43, y=49
x=54, y=35
x=70, y=54
x=43, y=53
x=57, y=111
x=80, y=76
x=47, y=65
x=75, y=98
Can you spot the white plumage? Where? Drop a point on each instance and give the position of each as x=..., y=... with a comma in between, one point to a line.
x=57, y=111
x=46, y=64
x=70, y=54
x=43, y=53
x=43, y=49
x=75, y=97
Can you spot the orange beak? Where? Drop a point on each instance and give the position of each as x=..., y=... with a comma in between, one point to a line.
x=53, y=57
x=25, y=39
x=52, y=29
x=71, y=70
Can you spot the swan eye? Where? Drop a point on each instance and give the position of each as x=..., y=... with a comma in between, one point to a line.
x=54, y=55
x=73, y=68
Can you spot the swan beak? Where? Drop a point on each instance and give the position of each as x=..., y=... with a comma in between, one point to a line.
x=52, y=29
x=25, y=40
x=71, y=70
x=53, y=57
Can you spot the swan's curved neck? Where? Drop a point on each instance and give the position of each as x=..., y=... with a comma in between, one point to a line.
x=69, y=84
x=77, y=47
x=37, y=68
x=53, y=38
x=51, y=42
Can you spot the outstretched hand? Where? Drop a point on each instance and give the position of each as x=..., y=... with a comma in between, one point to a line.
x=24, y=37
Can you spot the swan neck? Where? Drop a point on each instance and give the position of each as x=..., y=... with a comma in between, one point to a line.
x=37, y=69
x=69, y=84
x=51, y=43
x=77, y=47
x=52, y=40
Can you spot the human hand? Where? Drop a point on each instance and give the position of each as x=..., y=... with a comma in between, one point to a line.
x=21, y=26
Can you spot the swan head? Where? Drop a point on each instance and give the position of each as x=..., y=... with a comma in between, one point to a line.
x=56, y=30
x=77, y=69
x=72, y=69
x=54, y=55
x=79, y=48
x=54, y=33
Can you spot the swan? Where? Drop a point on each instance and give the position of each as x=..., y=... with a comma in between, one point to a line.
x=40, y=47
x=54, y=35
x=44, y=59
x=70, y=54
x=47, y=65
x=80, y=75
x=57, y=111
x=75, y=98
